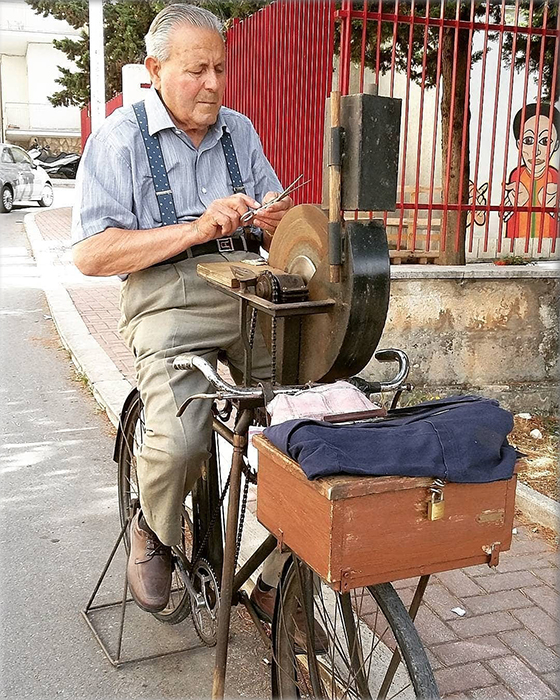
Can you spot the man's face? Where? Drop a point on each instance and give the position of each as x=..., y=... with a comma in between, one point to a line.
x=534, y=156
x=192, y=81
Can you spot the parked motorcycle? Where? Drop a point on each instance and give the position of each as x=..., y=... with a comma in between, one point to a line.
x=62, y=165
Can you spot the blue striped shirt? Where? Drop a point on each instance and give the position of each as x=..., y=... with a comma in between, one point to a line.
x=114, y=187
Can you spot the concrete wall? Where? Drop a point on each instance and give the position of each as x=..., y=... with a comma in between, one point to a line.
x=481, y=329
x=43, y=61
x=14, y=82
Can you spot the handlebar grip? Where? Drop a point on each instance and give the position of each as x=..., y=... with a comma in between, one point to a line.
x=364, y=386
x=388, y=355
x=185, y=361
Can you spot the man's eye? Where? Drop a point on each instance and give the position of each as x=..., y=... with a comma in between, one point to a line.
x=528, y=141
x=544, y=141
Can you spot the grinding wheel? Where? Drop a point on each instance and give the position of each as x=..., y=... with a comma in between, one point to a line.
x=339, y=343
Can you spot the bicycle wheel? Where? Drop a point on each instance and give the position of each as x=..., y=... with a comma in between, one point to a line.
x=130, y=441
x=366, y=645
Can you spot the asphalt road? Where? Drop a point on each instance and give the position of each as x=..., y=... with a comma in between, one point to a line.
x=58, y=516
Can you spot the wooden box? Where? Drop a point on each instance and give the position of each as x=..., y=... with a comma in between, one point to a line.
x=356, y=531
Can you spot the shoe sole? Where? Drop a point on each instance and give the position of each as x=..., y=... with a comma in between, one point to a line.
x=143, y=607
x=262, y=615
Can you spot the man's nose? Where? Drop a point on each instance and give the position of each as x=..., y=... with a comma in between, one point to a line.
x=211, y=82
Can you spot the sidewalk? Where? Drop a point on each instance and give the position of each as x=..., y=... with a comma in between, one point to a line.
x=506, y=646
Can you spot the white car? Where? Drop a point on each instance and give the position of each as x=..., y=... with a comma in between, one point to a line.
x=22, y=180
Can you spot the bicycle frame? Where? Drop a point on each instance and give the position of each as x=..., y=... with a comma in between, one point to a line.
x=246, y=399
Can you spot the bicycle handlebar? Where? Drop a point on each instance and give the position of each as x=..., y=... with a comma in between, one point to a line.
x=226, y=391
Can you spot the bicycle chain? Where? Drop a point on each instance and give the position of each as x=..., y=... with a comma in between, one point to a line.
x=275, y=299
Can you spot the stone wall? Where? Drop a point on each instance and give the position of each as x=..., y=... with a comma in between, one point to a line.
x=481, y=328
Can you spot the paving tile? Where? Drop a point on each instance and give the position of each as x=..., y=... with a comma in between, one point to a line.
x=536, y=546
x=406, y=583
x=476, y=649
x=550, y=576
x=553, y=679
x=441, y=601
x=431, y=629
x=541, y=624
x=524, y=562
x=518, y=676
x=435, y=663
x=481, y=625
x=501, y=600
x=503, y=582
x=462, y=678
x=494, y=692
x=459, y=583
x=532, y=650
x=546, y=598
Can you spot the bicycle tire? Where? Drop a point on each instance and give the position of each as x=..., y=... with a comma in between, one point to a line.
x=382, y=625
x=132, y=430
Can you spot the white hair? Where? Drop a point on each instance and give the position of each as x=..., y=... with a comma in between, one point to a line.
x=157, y=38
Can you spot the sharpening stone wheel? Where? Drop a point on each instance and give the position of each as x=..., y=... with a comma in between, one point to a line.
x=340, y=343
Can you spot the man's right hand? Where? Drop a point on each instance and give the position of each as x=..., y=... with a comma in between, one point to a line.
x=223, y=217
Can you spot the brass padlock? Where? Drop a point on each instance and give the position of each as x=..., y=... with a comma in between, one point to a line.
x=436, y=505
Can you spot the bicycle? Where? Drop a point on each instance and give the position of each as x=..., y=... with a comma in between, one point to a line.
x=357, y=644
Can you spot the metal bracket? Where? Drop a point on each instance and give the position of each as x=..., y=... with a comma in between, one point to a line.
x=493, y=552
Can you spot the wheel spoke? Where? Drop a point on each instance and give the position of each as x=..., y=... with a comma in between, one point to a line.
x=364, y=628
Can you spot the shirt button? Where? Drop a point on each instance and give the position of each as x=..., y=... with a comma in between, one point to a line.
x=204, y=190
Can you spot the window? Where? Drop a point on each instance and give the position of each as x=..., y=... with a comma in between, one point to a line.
x=21, y=156
x=7, y=156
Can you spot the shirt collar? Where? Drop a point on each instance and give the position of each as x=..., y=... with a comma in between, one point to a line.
x=158, y=116
x=159, y=119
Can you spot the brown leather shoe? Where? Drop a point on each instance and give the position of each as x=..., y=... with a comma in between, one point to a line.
x=263, y=602
x=149, y=569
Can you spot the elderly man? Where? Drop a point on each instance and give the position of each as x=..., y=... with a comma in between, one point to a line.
x=162, y=186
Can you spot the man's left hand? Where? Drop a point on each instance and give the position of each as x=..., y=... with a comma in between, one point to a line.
x=268, y=219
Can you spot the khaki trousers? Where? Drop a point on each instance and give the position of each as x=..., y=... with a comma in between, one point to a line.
x=165, y=311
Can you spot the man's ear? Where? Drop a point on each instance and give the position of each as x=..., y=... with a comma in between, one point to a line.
x=154, y=67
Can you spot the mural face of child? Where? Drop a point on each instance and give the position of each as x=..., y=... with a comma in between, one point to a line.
x=535, y=156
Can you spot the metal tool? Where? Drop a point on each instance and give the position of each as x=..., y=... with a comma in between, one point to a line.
x=250, y=215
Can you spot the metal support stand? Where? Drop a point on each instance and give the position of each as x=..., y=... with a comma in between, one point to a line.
x=87, y=613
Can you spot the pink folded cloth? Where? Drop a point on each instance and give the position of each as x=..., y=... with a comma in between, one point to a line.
x=318, y=402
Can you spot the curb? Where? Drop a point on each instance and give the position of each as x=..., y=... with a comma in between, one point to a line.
x=537, y=507
x=108, y=385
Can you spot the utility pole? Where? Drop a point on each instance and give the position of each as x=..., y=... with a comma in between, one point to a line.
x=96, y=63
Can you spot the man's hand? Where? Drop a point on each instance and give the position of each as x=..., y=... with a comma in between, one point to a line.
x=222, y=217
x=269, y=218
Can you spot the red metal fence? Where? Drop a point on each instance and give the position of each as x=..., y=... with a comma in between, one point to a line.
x=279, y=75
x=85, y=115
x=479, y=142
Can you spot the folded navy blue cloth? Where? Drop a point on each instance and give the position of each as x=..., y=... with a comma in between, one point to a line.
x=460, y=438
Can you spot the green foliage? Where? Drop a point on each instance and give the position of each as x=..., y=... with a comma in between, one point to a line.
x=126, y=22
